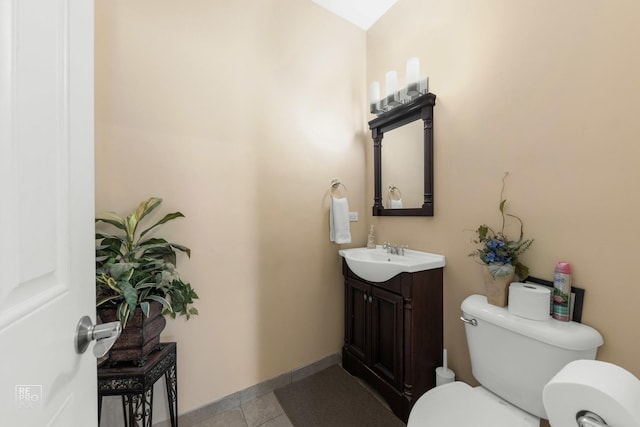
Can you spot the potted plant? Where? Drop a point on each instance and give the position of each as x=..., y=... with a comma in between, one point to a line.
x=137, y=282
x=500, y=256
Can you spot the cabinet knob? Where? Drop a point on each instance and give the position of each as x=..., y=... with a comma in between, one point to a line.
x=365, y=297
x=370, y=298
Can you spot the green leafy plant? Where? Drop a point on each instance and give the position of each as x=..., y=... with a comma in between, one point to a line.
x=497, y=251
x=133, y=269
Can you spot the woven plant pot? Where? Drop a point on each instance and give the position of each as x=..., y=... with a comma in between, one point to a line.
x=139, y=338
x=497, y=288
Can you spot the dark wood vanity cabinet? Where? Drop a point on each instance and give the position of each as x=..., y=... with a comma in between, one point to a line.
x=393, y=334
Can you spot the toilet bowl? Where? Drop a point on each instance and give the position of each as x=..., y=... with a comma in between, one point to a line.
x=513, y=359
x=458, y=404
x=602, y=392
x=590, y=392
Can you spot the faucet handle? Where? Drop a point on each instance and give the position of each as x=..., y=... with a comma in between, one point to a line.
x=401, y=249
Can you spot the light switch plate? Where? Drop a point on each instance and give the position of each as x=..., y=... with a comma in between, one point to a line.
x=353, y=216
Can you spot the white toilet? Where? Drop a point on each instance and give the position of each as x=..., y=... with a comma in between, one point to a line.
x=593, y=393
x=513, y=358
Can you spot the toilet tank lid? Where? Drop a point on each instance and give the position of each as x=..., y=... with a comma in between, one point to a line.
x=568, y=335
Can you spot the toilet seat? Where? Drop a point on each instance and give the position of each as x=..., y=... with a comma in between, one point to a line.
x=458, y=404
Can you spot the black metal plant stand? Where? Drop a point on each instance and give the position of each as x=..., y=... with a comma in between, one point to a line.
x=135, y=385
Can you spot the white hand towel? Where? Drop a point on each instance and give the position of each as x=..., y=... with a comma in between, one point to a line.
x=395, y=204
x=339, y=221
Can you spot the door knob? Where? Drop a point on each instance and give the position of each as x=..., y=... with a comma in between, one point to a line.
x=105, y=335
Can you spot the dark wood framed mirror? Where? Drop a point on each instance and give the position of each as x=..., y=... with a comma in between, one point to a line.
x=419, y=108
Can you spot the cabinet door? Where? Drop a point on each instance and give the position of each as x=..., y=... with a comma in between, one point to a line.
x=357, y=340
x=386, y=335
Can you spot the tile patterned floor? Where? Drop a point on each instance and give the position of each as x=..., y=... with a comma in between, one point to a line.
x=264, y=411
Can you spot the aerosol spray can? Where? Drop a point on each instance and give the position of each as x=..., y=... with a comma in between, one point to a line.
x=562, y=291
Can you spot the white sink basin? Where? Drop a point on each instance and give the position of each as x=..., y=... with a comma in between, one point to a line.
x=376, y=265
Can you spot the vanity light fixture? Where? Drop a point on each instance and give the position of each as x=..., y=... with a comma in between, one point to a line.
x=394, y=97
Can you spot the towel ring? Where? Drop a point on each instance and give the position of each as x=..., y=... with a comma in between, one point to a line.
x=393, y=190
x=335, y=184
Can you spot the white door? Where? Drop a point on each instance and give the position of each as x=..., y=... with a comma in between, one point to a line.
x=46, y=212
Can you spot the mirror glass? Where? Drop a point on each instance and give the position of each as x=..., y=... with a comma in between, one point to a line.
x=403, y=176
x=403, y=167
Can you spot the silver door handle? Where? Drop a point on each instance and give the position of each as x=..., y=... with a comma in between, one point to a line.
x=472, y=322
x=105, y=335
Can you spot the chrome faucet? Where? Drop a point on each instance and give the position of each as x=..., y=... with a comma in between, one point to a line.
x=394, y=250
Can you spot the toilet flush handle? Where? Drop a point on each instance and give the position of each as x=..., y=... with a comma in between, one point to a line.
x=472, y=322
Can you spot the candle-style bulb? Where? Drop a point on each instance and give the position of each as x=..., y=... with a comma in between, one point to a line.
x=413, y=76
x=374, y=98
x=392, y=99
x=392, y=83
x=413, y=70
x=374, y=93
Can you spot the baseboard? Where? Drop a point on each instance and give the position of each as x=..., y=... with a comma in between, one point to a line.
x=236, y=399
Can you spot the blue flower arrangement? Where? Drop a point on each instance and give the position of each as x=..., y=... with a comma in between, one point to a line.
x=498, y=252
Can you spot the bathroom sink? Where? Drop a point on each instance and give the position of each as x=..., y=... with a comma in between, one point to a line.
x=376, y=265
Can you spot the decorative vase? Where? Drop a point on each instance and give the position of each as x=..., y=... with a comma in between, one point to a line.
x=497, y=287
x=139, y=338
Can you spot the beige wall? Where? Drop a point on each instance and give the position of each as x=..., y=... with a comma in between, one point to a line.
x=239, y=114
x=549, y=91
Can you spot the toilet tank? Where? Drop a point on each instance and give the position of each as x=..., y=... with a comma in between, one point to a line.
x=515, y=357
